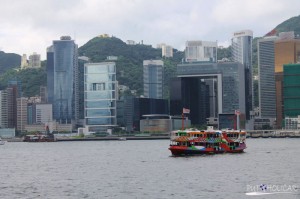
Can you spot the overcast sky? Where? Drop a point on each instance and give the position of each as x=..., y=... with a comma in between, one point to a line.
x=31, y=25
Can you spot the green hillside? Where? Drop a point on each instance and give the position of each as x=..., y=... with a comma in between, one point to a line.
x=8, y=61
x=130, y=60
x=129, y=63
x=31, y=80
x=292, y=24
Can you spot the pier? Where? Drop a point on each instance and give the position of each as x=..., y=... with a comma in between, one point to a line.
x=113, y=138
x=282, y=133
x=250, y=134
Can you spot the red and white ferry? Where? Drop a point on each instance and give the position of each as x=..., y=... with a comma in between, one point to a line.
x=193, y=141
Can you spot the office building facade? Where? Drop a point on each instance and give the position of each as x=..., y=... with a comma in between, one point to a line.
x=153, y=78
x=43, y=94
x=166, y=50
x=34, y=60
x=201, y=51
x=21, y=113
x=100, y=94
x=208, y=89
x=291, y=90
x=62, y=78
x=241, y=45
x=266, y=75
x=39, y=113
x=287, y=50
x=135, y=108
x=14, y=91
x=3, y=109
x=81, y=61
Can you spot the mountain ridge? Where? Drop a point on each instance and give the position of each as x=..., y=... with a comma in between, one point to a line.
x=129, y=63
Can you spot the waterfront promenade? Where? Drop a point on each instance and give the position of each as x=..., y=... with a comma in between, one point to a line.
x=282, y=133
x=250, y=134
x=116, y=138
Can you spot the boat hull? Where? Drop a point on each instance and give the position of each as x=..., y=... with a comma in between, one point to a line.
x=177, y=150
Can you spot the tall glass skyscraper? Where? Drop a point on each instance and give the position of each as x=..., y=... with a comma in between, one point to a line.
x=242, y=53
x=100, y=94
x=153, y=79
x=61, y=78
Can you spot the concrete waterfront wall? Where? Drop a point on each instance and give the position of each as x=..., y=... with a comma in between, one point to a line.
x=282, y=133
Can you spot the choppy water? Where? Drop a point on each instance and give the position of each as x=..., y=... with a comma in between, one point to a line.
x=144, y=169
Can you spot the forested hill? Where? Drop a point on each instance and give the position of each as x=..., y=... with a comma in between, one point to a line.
x=130, y=60
x=8, y=61
x=292, y=24
x=129, y=63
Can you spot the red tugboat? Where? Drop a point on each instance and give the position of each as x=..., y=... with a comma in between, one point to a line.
x=193, y=141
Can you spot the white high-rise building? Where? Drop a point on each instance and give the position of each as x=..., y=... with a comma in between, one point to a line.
x=166, y=51
x=24, y=63
x=100, y=94
x=201, y=51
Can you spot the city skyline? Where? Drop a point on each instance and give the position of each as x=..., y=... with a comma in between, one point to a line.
x=171, y=22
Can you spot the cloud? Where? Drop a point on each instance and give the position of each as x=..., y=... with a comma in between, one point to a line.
x=28, y=26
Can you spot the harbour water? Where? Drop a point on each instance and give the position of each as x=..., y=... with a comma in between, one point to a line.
x=145, y=169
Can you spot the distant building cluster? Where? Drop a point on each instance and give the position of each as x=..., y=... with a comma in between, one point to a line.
x=33, y=62
x=166, y=50
x=86, y=95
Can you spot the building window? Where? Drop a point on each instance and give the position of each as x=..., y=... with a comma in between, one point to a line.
x=98, y=86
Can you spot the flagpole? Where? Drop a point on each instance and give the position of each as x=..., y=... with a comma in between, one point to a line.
x=182, y=123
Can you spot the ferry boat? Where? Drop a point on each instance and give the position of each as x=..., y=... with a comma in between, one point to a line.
x=193, y=141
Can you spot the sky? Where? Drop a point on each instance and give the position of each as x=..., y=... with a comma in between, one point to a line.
x=31, y=26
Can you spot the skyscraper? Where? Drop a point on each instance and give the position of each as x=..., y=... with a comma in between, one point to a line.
x=62, y=67
x=287, y=50
x=201, y=51
x=3, y=109
x=81, y=61
x=205, y=85
x=242, y=53
x=14, y=91
x=21, y=113
x=153, y=79
x=100, y=94
x=291, y=92
x=266, y=74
